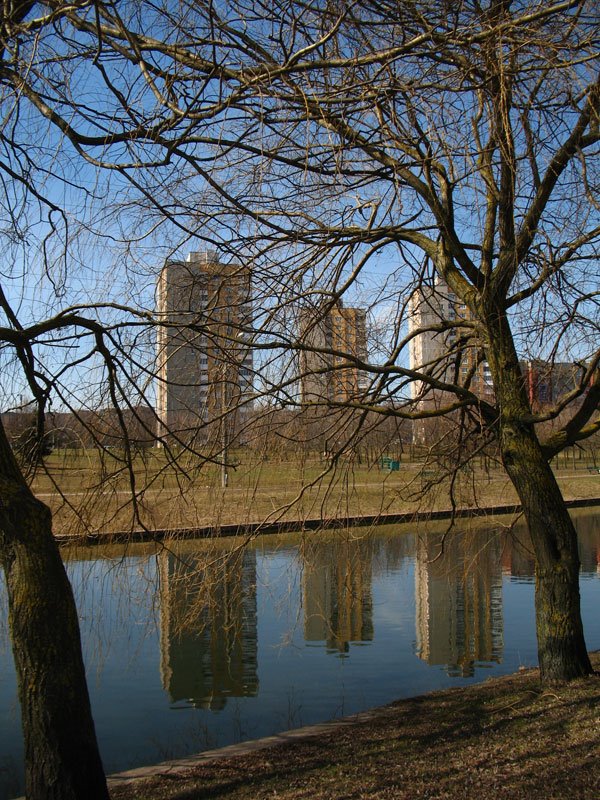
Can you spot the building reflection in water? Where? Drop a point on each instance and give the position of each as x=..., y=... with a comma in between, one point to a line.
x=208, y=634
x=517, y=555
x=458, y=588
x=589, y=544
x=336, y=592
x=209, y=604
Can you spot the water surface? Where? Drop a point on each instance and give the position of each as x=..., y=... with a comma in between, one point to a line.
x=201, y=645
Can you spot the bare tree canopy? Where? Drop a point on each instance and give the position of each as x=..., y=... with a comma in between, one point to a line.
x=353, y=155
x=337, y=149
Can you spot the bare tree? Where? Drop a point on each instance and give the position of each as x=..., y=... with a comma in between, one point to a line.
x=457, y=145
x=369, y=153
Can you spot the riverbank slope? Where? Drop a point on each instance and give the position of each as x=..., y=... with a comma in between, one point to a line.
x=505, y=738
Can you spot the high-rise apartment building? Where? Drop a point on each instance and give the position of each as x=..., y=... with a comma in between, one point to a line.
x=436, y=351
x=204, y=364
x=331, y=336
x=546, y=382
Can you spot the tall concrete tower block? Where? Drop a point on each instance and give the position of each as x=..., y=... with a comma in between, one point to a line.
x=435, y=351
x=204, y=361
x=327, y=375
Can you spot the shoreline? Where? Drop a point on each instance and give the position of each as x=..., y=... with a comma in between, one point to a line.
x=477, y=741
x=291, y=526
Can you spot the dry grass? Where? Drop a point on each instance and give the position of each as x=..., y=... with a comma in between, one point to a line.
x=506, y=738
x=97, y=495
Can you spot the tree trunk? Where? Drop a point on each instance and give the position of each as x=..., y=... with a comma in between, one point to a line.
x=62, y=761
x=562, y=651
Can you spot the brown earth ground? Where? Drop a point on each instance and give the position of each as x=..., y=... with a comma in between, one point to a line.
x=505, y=738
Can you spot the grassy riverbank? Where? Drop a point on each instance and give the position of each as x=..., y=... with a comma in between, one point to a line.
x=505, y=738
x=86, y=494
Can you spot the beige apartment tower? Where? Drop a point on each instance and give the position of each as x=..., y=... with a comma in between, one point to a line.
x=434, y=351
x=203, y=359
x=324, y=376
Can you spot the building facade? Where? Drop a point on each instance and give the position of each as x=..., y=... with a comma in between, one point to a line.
x=440, y=348
x=204, y=365
x=546, y=382
x=332, y=338
x=436, y=351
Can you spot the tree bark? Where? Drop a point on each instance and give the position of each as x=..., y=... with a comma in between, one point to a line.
x=562, y=651
x=62, y=760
